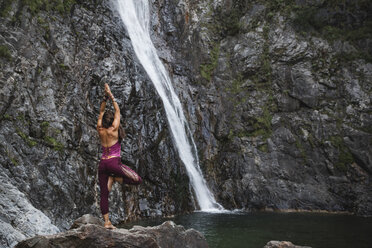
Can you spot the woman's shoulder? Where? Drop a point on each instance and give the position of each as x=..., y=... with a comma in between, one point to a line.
x=101, y=130
x=111, y=131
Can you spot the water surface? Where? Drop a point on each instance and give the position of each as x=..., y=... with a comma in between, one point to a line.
x=254, y=230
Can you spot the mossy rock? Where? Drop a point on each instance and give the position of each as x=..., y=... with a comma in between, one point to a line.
x=345, y=157
x=61, y=6
x=58, y=146
x=30, y=142
x=5, y=52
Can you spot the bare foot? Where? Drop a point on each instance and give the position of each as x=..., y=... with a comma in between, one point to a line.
x=109, y=183
x=108, y=225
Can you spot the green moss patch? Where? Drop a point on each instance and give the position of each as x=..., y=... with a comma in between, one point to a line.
x=44, y=126
x=58, y=146
x=263, y=125
x=5, y=52
x=307, y=19
x=61, y=6
x=29, y=141
x=5, y=7
x=301, y=149
x=206, y=70
x=345, y=157
x=263, y=148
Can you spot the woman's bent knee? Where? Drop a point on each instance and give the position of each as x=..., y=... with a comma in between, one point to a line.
x=138, y=180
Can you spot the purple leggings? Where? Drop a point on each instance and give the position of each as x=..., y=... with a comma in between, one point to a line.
x=113, y=167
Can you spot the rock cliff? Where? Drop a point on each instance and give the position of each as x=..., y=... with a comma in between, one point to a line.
x=279, y=97
x=277, y=93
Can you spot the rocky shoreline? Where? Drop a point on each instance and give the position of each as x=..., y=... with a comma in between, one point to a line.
x=305, y=211
x=88, y=231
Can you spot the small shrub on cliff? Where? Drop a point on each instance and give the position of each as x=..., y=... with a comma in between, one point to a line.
x=345, y=157
x=62, y=6
x=27, y=139
x=53, y=143
x=227, y=21
x=262, y=125
x=206, y=70
x=5, y=53
x=5, y=7
x=44, y=126
x=337, y=20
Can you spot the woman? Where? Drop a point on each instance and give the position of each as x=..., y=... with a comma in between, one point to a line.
x=110, y=167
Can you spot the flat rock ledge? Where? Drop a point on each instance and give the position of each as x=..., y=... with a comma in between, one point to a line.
x=88, y=231
x=282, y=244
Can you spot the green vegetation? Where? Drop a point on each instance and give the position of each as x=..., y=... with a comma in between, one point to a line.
x=367, y=129
x=25, y=138
x=50, y=141
x=14, y=161
x=311, y=140
x=5, y=53
x=279, y=5
x=44, y=126
x=221, y=23
x=231, y=135
x=263, y=148
x=263, y=125
x=21, y=117
x=62, y=6
x=5, y=7
x=206, y=70
x=308, y=20
x=45, y=26
x=317, y=20
x=351, y=56
x=58, y=146
x=345, y=157
x=41, y=21
x=7, y=117
x=227, y=22
x=63, y=66
x=301, y=149
x=236, y=86
x=10, y=156
x=263, y=79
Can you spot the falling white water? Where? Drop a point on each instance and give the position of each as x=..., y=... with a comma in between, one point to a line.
x=136, y=17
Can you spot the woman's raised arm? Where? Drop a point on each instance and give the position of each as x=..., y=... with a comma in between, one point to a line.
x=101, y=112
x=116, y=122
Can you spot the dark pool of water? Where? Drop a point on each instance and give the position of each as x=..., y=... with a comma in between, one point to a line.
x=235, y=230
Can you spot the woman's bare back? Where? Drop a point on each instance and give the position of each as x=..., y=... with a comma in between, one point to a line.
x=108, y=136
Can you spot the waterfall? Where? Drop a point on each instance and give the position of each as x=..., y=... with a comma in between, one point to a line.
x=136, y=17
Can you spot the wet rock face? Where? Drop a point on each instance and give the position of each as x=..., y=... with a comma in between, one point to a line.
x=280, y=103
x=90, y=234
